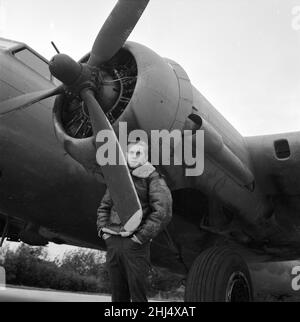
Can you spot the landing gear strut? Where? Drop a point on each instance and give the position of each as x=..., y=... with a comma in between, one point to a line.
x=219, y=274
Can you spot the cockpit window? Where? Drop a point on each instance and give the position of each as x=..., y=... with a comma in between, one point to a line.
x=34, y=62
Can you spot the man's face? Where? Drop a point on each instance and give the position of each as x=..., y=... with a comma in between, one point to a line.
x=136, y=156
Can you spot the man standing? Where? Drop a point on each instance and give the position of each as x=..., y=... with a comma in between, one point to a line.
x=128, y=258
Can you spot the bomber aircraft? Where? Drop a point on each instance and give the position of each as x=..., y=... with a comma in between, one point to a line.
x=243, y=208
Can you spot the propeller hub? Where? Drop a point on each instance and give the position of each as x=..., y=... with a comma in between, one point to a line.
x=65, y=69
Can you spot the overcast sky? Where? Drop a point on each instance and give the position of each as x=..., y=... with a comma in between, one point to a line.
x=243, y=55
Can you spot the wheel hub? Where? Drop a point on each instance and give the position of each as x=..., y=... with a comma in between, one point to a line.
x=238, y=288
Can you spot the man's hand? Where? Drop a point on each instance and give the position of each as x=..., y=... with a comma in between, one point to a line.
x=136, y=240
x=103, y=235
x=106, y=236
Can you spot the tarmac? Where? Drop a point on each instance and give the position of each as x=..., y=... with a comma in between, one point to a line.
x=12, y=294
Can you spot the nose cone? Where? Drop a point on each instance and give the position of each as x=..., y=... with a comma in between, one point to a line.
x=65, y=69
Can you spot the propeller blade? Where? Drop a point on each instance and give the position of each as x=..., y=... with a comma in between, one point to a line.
x=116, y=30
x=117, y=177
x=26, y=100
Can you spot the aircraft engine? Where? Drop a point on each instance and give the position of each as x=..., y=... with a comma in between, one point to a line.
x=138, y=87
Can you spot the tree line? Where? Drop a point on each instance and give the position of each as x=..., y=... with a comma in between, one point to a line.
x=79, y=270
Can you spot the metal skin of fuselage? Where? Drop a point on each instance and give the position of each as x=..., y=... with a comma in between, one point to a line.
x=49, y=196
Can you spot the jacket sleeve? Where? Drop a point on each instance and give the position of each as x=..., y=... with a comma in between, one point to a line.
x=160, y=200
x=103, y=213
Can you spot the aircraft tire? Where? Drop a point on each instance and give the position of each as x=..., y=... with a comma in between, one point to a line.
x=219, y=274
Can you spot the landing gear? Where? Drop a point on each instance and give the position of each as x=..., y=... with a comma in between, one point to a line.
x=219, y=274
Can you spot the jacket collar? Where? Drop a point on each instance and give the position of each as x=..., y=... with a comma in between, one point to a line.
x=144, y=171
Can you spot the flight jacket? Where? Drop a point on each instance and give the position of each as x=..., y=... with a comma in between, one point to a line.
x=156, y=202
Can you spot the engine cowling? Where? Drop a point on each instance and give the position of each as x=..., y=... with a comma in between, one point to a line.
x=137, y=87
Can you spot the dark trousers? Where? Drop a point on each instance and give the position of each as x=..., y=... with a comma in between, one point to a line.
x=128, y=266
